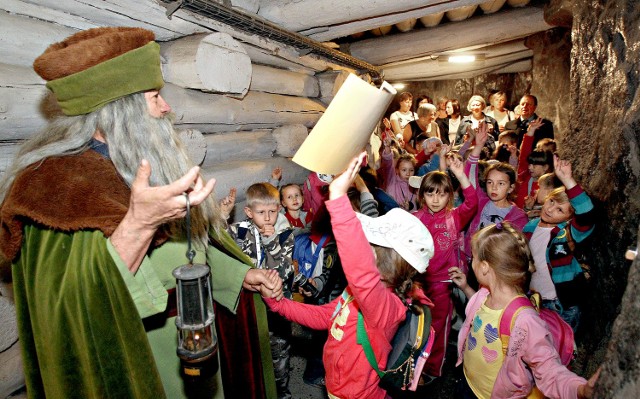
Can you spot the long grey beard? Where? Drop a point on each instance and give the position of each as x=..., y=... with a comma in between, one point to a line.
x=137, y=136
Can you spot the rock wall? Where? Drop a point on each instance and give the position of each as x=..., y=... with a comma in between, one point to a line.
x=602, y=143
x=551, y=70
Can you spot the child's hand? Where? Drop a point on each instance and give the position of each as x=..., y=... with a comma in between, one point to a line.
x=342, y=182
x=563, y=171
x=530, y=201
x=267, y=230
x=533, y=126
x=586, y=391
x=513, y=150
x=483, y=134
x=267, y=282
x=228, y=202
x=276, y=173
x=444, y=150
x=386, y=123
x=456, y=166
x=458, y=277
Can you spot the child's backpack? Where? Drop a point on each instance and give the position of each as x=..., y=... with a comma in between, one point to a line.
x=410, y=348
x=304, y=254
x=561, y=332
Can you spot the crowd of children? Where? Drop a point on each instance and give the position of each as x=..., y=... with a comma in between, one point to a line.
x=495, y=221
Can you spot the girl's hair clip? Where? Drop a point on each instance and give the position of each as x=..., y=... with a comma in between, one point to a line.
x=499, y=225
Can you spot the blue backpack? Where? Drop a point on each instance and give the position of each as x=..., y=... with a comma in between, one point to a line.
x=304, y=254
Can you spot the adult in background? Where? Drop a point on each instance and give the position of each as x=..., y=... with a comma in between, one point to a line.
x=441, y=104
x=92, y=221
x=404, y=115
x=501, y=114
x=470, y=123
x=424, y=124
x=449, y=126
x=528, y=105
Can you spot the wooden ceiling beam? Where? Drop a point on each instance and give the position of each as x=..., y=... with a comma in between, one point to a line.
x=434, y=68
x=483, y=30
x=300, y=15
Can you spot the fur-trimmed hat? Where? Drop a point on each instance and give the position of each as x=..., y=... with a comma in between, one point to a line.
x=94, y=67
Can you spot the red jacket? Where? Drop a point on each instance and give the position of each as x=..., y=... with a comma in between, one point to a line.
x=348, y=373
x=524, y=177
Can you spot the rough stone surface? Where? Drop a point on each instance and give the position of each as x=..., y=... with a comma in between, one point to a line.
x=603, y=137
x=551, y=71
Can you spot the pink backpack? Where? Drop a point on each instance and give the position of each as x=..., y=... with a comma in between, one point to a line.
x=561, y=332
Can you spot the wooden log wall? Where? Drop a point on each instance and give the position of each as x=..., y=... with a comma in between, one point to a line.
x=243, y=104
x=252, y=100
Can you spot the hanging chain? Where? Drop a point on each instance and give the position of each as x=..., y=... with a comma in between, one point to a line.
x=191, y=253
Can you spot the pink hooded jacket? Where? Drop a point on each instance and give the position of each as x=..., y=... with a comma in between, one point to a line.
x=531, y=358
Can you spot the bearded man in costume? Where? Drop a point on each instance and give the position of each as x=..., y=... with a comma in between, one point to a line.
x=92, y=221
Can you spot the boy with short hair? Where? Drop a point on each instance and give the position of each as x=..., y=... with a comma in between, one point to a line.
x=266, y=237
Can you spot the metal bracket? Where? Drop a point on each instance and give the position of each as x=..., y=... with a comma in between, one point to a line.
x=172, y=7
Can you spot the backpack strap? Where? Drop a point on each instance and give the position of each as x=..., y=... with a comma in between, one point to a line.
x=508, y=317
x=282, y=237
x=242, y=232
x=363, y=339
x=316, y=253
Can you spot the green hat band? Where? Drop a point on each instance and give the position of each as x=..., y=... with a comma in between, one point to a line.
x=132, y=72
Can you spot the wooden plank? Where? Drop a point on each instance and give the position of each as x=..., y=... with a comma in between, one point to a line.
x=23, y=39
x=216, y=113
x=148, y=14
x=280, y=81
x=496, y=28
x=26, y=105
x=298, y=15
x=354, y=25
x=289, y=139
x=243, y=173
x=232, y=146
x=428, y=68
x=512, y=67
x=262, y=56
x=213, y=62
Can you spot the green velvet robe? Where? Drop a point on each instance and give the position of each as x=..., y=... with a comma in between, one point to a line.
x=80, y=310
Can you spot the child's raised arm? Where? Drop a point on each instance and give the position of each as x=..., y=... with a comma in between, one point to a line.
x=444, y=150
x=563, y=171
x=481, y=139
x=457, y=167
x=341, y=183
x=276, y=173
x=227, y=203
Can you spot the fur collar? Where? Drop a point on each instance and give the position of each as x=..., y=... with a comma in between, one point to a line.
x=71, y=193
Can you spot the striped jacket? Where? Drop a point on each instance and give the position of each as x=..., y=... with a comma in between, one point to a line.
x=560, y=258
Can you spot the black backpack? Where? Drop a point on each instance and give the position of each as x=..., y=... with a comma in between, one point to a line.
x=410, y=349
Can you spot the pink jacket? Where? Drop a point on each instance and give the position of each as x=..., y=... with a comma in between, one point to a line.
x=348, y=373
x=393, y=185
x=530, y=359
x=516, y=215
x=447, y=249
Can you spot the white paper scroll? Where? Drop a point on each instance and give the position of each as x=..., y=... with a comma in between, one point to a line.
x=344, y=129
